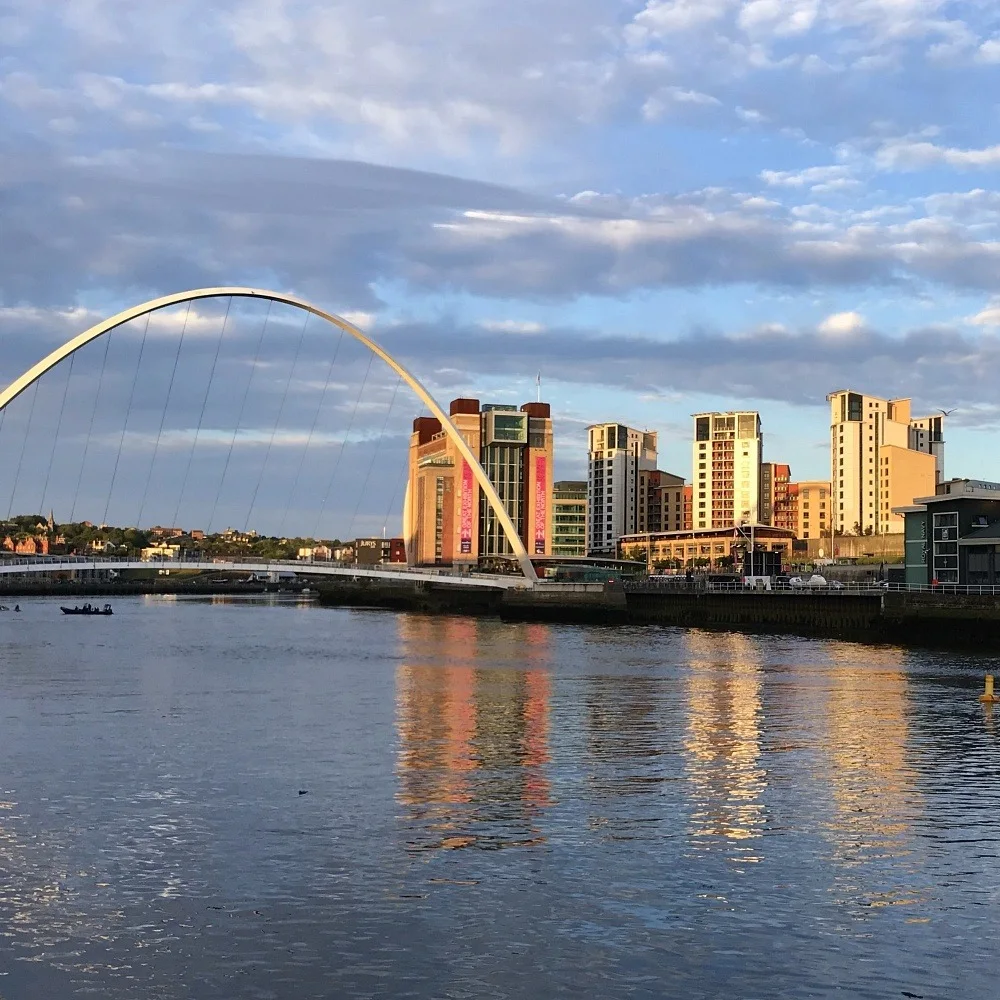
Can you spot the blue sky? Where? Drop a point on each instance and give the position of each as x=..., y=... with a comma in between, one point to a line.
x=662, y=205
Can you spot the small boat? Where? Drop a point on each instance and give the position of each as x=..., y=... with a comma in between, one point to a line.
x=87, y=609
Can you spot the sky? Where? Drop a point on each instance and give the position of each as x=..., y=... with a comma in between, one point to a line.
x=661, y=206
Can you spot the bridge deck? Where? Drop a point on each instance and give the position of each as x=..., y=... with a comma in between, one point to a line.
x=56, y=565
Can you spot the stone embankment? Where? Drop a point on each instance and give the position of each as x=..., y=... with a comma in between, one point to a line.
x=924, y=618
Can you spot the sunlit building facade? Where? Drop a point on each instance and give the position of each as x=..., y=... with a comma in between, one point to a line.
x=447, y=519
x=726, y=457
x=617, y=455
x=880, y=458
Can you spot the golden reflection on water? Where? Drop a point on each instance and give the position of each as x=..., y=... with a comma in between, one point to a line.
x=722, y=744
x=473, y=741
x=865, y=773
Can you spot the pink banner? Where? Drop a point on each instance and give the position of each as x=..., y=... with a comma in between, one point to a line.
x=467, y=505
x=541, y=504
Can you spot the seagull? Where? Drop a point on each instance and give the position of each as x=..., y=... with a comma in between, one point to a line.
x=947, y=413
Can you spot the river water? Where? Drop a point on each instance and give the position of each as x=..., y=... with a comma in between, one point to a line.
x=490, y=810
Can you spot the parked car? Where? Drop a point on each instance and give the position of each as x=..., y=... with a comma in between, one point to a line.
x=815, y=582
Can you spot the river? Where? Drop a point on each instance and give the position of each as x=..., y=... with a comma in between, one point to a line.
x=271, y=799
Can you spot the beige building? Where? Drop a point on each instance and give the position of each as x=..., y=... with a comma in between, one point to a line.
x=813, y=508
x=447, y=520
x=617, y=455
x=725, y=477
x=881, y=457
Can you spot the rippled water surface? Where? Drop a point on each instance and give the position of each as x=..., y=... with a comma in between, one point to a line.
x=490, y=810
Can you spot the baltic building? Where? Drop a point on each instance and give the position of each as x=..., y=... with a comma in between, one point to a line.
x=447, y=519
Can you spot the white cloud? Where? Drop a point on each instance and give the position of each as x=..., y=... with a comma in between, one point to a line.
x=989, y=51
x=842, y=324
x=990, y=316
x=905, y=154
x=518, y=326
x=808, y=177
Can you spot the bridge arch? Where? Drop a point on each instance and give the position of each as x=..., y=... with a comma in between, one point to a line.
x=34, y=373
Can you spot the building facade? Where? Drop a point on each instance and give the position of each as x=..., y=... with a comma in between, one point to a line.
x=447, y=519
x=661, y=501
x=616, y=456
x=811, y=509
x=705, y=548
x=953, y=537
x=569, y=518
x=726, y=456
x=774, y=482
x=881, y=458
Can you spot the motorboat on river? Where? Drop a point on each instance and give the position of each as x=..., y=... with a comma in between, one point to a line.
x=87, y=609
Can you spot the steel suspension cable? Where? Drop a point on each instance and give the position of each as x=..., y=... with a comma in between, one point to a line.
x=312, y=432
x=55, y=439
x=343, y=444
x=201, y=415
x=90, y=429
x=375, y=451
x=163, y=415
x=24, y=442
x=277, y=421
x=239, y=418
x=128, y=413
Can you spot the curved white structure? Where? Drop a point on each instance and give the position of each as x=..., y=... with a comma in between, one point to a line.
x=34, y=373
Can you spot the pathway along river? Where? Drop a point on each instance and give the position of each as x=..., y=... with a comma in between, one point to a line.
x=491, y=810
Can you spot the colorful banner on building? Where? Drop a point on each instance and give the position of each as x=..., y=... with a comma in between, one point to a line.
x=468, y=486
x=541, y=504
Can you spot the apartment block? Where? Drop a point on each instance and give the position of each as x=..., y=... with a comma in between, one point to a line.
x=447, y=519
x=812, y=509
x=726, y=474
x=616, y=456
x=774, y=482
x=569, y=518
x=881, y=457
x=661, y=501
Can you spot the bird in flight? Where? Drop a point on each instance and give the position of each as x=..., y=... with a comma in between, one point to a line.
x=947, y=413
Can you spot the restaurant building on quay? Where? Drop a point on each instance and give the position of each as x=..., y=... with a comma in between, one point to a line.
x=715, y=549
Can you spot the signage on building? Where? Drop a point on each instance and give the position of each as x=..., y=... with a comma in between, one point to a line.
x=541, y=499
x=466, y=515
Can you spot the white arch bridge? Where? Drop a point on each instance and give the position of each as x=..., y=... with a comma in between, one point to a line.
x=145, y=309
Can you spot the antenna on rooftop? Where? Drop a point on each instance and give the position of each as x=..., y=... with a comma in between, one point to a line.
x=538, y=387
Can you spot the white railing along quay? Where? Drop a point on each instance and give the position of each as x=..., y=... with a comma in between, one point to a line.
x=870, y=588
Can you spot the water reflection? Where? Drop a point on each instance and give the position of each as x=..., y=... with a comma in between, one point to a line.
x=723, y=692
x=868, y=778
x=473, y=741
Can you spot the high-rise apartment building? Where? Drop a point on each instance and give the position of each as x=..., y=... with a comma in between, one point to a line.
x=616, y=456
x=447, y=518
x=726, y=469
x=881, y=457
x=569, y=518
x=774, y=481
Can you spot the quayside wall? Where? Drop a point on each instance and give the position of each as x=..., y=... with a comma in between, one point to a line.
x=948, y=620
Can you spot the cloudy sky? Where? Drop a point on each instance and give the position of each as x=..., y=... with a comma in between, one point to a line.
x=663, y=206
